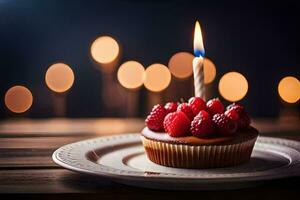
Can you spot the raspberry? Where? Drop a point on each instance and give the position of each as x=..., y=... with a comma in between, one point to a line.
x=215, y=106
x=204, y=113
x=232, y=114
x=202, y=125
x=171, y=107
x=244, y=119
x=154, y=120
x=224, y=125
x=177, y=124
x=184, y=107
x=231, y=105
x=197, y=104
x=237, y=107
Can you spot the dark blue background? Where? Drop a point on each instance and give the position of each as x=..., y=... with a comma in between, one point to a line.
x=259, y=39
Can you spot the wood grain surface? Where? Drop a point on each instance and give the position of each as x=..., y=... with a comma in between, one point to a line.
x=26, y=165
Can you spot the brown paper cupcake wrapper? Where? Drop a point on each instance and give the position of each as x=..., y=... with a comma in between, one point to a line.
x=187, y=156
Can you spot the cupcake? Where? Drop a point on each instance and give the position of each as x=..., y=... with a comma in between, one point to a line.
x=198, y=134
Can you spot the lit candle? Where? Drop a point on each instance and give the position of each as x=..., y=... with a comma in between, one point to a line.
x=198, y=63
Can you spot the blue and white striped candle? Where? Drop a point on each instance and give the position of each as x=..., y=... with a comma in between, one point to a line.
x=198, y=61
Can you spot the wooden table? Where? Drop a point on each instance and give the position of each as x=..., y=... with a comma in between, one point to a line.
x=26, y=166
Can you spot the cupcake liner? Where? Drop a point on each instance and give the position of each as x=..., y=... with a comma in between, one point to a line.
x=201, y=156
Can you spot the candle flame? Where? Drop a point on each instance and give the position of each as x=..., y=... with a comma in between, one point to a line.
x=198, y=42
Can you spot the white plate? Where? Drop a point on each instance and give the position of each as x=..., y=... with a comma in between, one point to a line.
x=122, y=159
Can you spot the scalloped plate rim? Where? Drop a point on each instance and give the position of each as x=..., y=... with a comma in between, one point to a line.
x=125, y=177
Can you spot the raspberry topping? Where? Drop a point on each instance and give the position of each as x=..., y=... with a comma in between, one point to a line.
x=154, y=120
x=237, y=107
x=177, y=124
x=171, y=107
x=197, y=104
x=243, y=117
x=232, y=114
x=244, y=121
x=184, y=107
x=202, y=125
x=198, y=118
x=224, y=125
x=215, y=106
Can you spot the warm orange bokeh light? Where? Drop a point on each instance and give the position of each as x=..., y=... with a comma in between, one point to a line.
x=289, y=89
x=157, y=77
x=18, y=99
x=59, y=77
x=209, y=71
x=233, y=86
x=105, y=49
x=131, y=74
x=181, y=65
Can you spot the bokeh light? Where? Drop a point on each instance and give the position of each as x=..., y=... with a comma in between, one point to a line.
x=18, y=99
x=233, y=86
x=157, y=77
x=289, y=89
x=209, y=71
x=131, y=74
x=181, y=65
x=59, y=77
x=105, y=49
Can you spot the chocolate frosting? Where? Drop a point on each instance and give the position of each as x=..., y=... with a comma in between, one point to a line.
x=240, y=136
